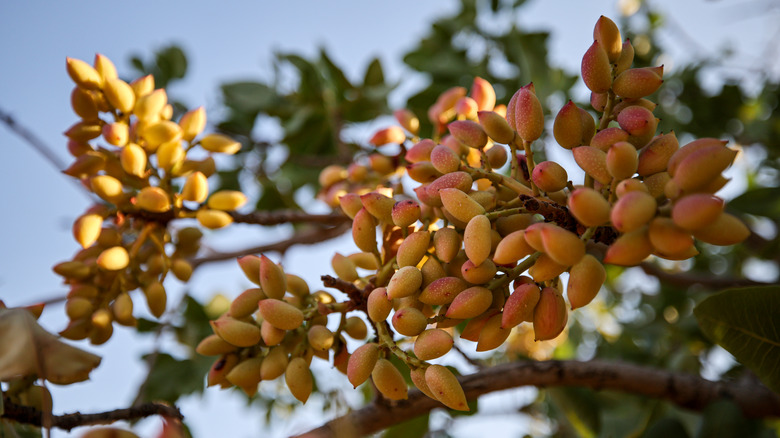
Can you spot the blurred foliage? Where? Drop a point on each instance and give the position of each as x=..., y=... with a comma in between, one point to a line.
x=639, y=320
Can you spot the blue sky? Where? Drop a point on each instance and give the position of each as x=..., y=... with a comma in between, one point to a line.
x=227, y=41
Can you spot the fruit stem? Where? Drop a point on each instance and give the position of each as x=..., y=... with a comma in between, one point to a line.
x=514, y=272
x=529, y=160
x=385, y=339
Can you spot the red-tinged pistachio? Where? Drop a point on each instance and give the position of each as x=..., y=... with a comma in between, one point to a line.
x=382, y=164
x=696, y=211
x=496, y=126
x=549, y=176
x=470, y=303
x=332, y=174
x=588, y=126
x=116, y=133
x=388, y=380
x=635, y=83
x=702, y=166
x=274, y=363
x=472, y=329
x=567, y=128
x=407, y=120
x=483, y=94
x=606, y=33
x=445, y=387
x=142, y=86
x=379, y=305
x=344, y=268
x=221, y=368
x=379, y=205
x=469, y=133
x=594, y=162
x=598, y=101
x=413, y=248
x=250, y=265
x=418, y=378
x=460, y=205
x=633, y=210
x=683, y=153
x=512, y=248
x=364, y=231
x=685, y=255
x=298, y=379
x=405, y=213
x=528, y=114
x=492, y=334
x=405, y=282
x=476, y=239
x=270, y=334
x=246, y=375
x=630, y=248
x=361, y=363
x=563, y=246
x=654, y=157
x=320, y=338
x=506, y=225
x=533, y=235
x=350, y=204
x=246, y=303
x=421, y=151
x=478, y=274
x=391, y=135
x=442, y=291
x=622, y=160
x=455, y=180
x=630, y=185
x=668, y=238
x=520, y=305
x=280, y=314
x=589, y=207
x=726, y=230
x=585, y=280
x=550, y=315
x=607, y=137
x=497, y=156
x=432, y=270
x=444, y=159
x=441, y=111
x=637, y=121
x=656, y=183
x=272, y=278
x=423, y=172
x=446, y=243
x=626, y=57
x=432, y=344
x=545, y=269
x=213, y=345
x=236, y=332
x=409, y=321
x=625, y=103
x=596, y=70
x=466, y=108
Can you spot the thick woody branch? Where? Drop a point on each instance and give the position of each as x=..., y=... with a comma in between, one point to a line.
x=32, y=416
x=685, y=390
x=686, y=279
x=288, y=216
x=305, y=237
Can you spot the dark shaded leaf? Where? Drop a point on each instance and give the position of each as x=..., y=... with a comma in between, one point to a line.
x=374, y=76
x=724, y=419
x=171, y=378
x=666, y=428
x=764, y=201
x=414, y=428
x=580, y=407
x=745, y=322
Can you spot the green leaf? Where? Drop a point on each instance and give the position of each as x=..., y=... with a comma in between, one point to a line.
x=724, y=419
x=745, y=322
x=580, y=407
x=171, y=378
x=414, y=428
x=196, y=324
x=16, y=430
x=374, y=74
x=763, y=201
x=146, y=325
x=172, y=63
x=666, y=428
x=248, y=97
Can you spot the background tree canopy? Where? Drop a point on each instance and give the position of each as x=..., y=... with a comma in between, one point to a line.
x=672, y=316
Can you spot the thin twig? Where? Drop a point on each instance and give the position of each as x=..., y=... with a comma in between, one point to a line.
x=34, y=417
x=685, y=390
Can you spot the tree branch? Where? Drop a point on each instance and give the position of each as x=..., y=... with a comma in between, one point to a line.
x=306, y=237
x=288, y=216
x=686, y=279
x=32, y=416
x=685, y=390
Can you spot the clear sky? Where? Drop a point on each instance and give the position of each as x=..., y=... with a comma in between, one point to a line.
x=225, y=41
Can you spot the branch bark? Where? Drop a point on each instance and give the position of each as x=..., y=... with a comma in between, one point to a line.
x=32, y=416
x=685, y=390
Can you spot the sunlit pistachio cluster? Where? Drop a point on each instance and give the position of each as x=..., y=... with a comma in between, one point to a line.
x=474, y=250
x=140, y=164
